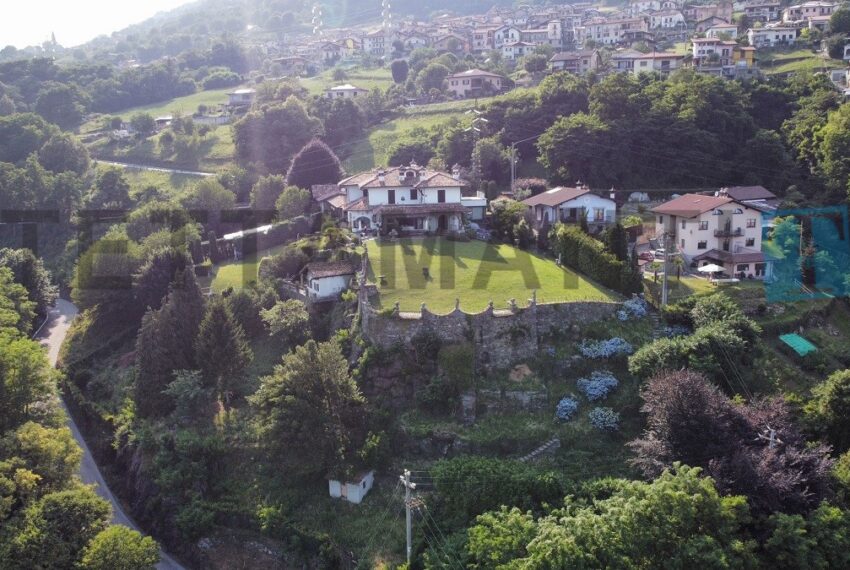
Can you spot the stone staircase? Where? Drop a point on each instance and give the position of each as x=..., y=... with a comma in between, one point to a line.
x=547, y=448
x=658, y=325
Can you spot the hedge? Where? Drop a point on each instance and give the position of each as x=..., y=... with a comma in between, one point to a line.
x=587, y=255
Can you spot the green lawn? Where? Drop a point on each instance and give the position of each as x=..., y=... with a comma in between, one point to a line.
x=474, y=272
x=183, y=105
x=238, y=274
x=794, y=60
x=364, y=78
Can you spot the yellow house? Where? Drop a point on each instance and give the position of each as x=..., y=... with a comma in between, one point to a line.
x=745, y=54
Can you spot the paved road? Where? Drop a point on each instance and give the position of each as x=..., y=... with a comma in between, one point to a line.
x=51, y=335
x=155, y=168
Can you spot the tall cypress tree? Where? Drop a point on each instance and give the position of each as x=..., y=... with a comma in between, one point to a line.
x=221, y=350
x=316, y=163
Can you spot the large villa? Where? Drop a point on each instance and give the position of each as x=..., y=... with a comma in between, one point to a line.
x=411, y=198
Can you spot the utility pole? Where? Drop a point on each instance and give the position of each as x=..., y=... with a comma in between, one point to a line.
x=478, y=123
x=666, y=257
x=513, y=166
x=408, y=504
x=769, y=435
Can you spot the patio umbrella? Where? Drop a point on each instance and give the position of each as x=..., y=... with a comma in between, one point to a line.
x=711, y=268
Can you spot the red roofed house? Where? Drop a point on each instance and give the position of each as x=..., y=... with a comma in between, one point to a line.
x=715, y=229
x=567, y=205
x=326, y=281
x=407, y=198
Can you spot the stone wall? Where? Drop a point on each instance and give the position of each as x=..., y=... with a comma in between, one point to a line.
x=501, y=337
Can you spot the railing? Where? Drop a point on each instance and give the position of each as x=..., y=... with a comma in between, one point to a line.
x=729, y=232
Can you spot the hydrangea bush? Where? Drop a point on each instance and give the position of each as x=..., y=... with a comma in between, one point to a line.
x=566, y=409
x=598, y=385
x=604, y=419
x=605, y=348
x=634, y=308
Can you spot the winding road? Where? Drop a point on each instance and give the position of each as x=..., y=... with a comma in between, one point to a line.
x=51, y=335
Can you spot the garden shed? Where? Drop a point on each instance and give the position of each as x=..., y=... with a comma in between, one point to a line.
x=352, y=491
x=798, y=344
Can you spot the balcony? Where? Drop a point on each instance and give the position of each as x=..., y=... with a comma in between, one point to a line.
x=728, y=232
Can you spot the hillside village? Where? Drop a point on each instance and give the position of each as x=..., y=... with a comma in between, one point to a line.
x=547, y=285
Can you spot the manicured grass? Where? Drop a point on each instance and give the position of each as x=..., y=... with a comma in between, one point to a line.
x=238, y=274
x=364, y=78
x=794, y=60
x=677, y=288
x=474, y=272
x=183, y=105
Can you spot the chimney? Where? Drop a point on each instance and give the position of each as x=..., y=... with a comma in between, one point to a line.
x=456, y=172
x=382, y=176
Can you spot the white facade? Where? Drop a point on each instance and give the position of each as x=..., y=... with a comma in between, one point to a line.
x=517, y=50
x=353, y=492
x=771, y=37
x=722, y=29
x=667, y=19
x=346, y=91
x=808, y=10
x=241, y=97
x=319, y=288
x=506, y=35
x=663, y=63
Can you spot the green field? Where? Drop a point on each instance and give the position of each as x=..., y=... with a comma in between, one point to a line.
x=184, y=105
x=474, y=272
x=364, y=78
x=782, y=61
x=238, y=274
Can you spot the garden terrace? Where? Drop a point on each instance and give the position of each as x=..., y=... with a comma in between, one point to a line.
x=439, y=272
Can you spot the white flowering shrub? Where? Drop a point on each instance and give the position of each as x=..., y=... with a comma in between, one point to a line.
x=604, y=419
x=635, y=308
x=566, y=409
x=605, y=348
x=598, y=385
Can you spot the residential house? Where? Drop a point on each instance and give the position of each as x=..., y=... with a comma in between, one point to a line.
x=623, y=61
x=349, y=47
x=474, y=82
x=476, y=206
x=728, y=31
x=637, y=7
x=807, y=10
x=657, y=62
x=757, y=197
x=725, y=58
x=667, y=20
x=568, y=205
x=577, y=62
x=514, y=51
x=330, y=198
x=325, y=281
x=484, y=38
x=704, y=25
x=700, y=12
x=506, y=35
x=772, y=37
x=453, y=43
x=241, y=97
x=378, y=43
x=609, y=32
x=715, y=229
x=414, y=39
x=352, y=491
x=409, y=198
x=292, y=64
x=347, y=91
x=763, y=10
x=331, y=52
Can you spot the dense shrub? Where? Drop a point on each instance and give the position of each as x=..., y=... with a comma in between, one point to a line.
x=604, y=419
x=588, y=255
x=635, y=308
x=598, y=386
x=566, y=409
x=605, y=348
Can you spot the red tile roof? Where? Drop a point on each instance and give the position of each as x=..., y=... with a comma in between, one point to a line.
x=556, y=196
x=690, y=205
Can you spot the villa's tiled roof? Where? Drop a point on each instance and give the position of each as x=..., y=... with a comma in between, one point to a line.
x=361, y=205
x=318, y=270
x=691, y=205
x=394, y=178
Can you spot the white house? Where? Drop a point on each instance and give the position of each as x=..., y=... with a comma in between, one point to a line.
x=657, y=62
x=409, y=198
x=515, y=50
x=241, y=97
x=352, y=491
x=577, y=62
x=474, y=82
x=717, y=229
x=568, y=205
x=476, y=206
x=506, y=35
x=771, y=37
x=807, y=11
x=722, y=30
x=667, y=19
x=325, y=281
x=347, y=91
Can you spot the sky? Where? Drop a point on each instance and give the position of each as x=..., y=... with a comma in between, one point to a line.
x=30, y=22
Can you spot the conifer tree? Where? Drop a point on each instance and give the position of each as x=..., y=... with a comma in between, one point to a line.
x=316, y=163
x=221, y=350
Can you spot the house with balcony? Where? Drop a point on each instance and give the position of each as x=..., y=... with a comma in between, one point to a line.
x=568, y=206
x=706, y=229
x=763, y=11
x=408, y=198
x=474, y=83
x=576, y=62
x=772, y=37
x=724, y=58
x=808, y=10
x=729, y=31
x=660, y=62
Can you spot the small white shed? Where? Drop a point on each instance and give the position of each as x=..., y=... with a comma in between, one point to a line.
x=352, y=491
x=327, y=280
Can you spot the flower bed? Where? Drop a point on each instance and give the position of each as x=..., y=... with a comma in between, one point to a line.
x=598, y=386
x=604, y=419
x=606, y=348
x=566, y=409
x=634, y=308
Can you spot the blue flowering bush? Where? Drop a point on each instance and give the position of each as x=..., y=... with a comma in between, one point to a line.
x=598, y=385
x=605, y=348
x=604, y=419
x=566, y=409
x=634, y=308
